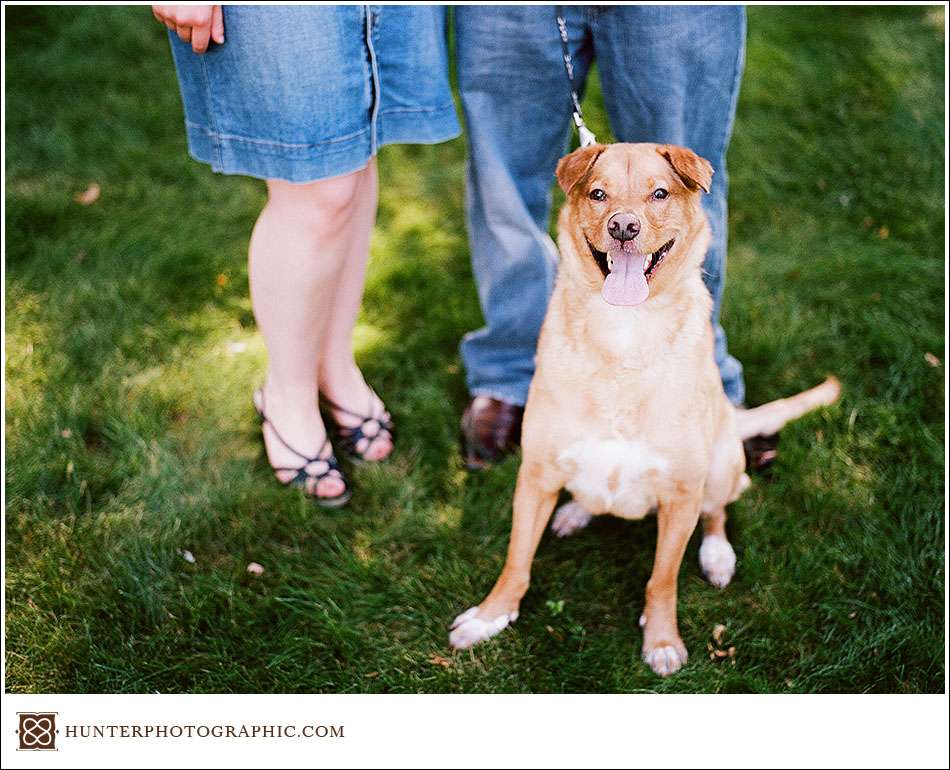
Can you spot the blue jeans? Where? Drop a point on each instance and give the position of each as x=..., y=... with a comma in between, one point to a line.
x=668, y=75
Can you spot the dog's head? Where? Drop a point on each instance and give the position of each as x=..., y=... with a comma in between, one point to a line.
x=637, y=209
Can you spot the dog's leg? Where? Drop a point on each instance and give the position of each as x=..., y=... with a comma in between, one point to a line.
x=724, y=484
x=663, y=650
x=716, y=557
x=533, y=505
x=569, y=518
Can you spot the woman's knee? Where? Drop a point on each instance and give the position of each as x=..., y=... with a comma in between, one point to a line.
x=323, y=201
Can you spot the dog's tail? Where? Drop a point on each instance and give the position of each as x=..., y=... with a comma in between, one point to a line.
x=769, y=418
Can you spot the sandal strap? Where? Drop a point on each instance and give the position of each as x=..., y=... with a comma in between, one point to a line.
x=363, y=417
x=303, y=476
x=351, y=435
x=352, y=430
x=331, y=461
x=265, y=420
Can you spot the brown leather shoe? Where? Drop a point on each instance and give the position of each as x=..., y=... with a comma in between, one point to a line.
x=491, y=429
x=760, y=453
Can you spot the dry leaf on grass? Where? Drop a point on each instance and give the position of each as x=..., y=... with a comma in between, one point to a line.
x=717, y=633
x=717, y=652
x=931, y=359
x=438, y=660
x=88, y=196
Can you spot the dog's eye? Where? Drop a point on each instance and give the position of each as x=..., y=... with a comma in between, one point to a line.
x=597, y=194
x=659, y=194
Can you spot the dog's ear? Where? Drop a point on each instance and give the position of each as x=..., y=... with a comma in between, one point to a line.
x=692, y=169
x=574, y=167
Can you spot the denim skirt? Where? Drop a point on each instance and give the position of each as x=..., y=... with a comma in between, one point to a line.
x=302, y=93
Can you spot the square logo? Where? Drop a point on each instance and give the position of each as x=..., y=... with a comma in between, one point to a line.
x=37, y=731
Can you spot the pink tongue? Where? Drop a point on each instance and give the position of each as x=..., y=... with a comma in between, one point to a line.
x=626, y=284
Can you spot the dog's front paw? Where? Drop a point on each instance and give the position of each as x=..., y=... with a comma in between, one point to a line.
x=468, y=629
x=665, y=658
x=663, y=650
x=718, y=560
x=569, y=518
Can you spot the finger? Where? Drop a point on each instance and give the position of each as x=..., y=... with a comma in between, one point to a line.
x=184, y=33
x=200, y=35
x=217, y=24
x=158, y=11
x=161, y=13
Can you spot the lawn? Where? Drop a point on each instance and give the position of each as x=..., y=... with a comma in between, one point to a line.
x=131, y=354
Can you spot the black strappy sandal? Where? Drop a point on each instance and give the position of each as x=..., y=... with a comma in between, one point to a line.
x=351, y=435
x=308, y=478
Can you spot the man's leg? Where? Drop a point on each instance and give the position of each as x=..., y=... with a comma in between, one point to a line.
x=671, y=75
x=517, y=109
x=517, y=106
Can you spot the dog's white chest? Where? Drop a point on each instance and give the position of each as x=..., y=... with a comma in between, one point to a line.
x=614, y=475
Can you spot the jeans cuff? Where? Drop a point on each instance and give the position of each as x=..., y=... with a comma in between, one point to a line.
x=735, y=392
x=499, y=395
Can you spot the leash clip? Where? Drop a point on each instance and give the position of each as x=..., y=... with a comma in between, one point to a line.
x=584, y=134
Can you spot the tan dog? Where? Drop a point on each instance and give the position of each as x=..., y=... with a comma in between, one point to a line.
x=626, y=410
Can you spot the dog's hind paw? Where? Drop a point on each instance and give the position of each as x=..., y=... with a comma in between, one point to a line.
x=569, y=518
x=718, y=560
x=665, y=659
x=468, y=629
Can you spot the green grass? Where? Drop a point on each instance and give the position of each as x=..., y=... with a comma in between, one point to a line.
x=132, y=352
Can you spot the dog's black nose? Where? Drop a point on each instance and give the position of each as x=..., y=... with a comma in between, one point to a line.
x=623, y=227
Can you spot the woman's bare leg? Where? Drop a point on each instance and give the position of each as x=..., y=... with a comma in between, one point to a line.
x=302, y=240
x=340, y=379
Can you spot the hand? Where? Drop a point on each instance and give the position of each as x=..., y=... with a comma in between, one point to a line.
x=195, y=24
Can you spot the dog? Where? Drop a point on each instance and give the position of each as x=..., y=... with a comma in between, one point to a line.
x=626, y=410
